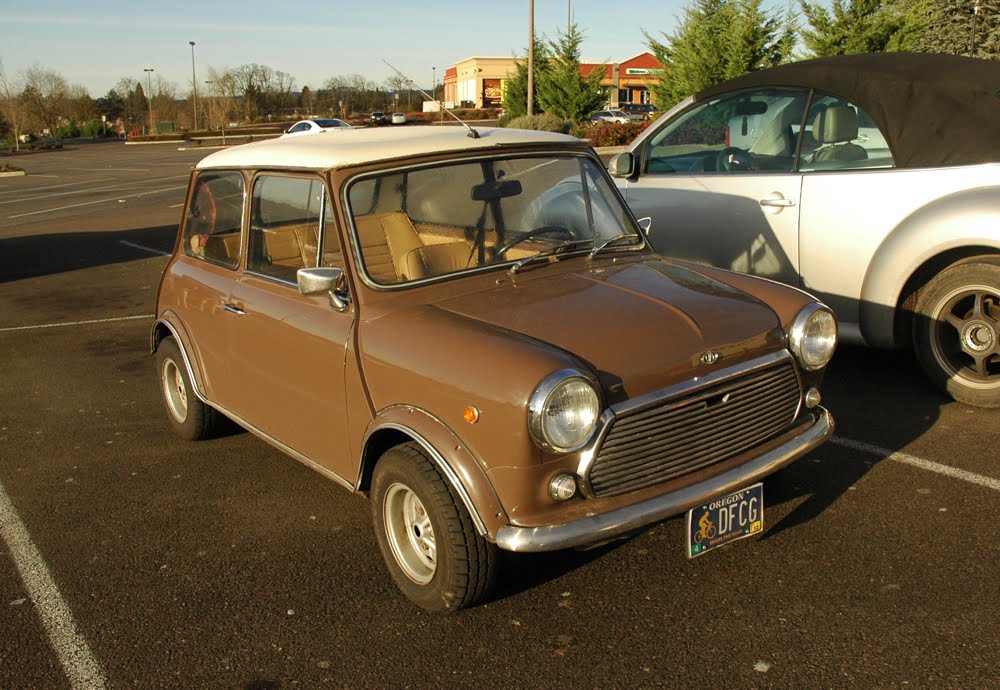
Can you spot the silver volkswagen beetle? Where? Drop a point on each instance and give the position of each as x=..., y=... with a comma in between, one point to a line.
x=872, y=181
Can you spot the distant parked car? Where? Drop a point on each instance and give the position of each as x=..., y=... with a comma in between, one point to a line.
x=873, y=181
x=378, y=118
x=398, y=119
x=46, y=143
x=315, y=126
x=639, y=111
x=609, y=116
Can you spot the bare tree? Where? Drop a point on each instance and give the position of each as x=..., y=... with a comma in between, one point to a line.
x=45, y=94
x=11, y=107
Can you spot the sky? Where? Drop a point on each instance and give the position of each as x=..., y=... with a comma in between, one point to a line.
x=96, y=44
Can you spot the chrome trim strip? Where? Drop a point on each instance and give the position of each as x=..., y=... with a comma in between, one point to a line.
x=589, y=453
x=449, y=474
x=606, y=526
x=285, y=449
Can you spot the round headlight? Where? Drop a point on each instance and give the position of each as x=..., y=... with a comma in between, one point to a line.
x=813, y=337
x=563, y=411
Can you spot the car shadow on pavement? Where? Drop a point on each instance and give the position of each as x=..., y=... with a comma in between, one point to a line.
x=877, y=398
x=32, y=256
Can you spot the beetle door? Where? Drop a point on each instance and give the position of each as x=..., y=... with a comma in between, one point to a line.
x=718, y=181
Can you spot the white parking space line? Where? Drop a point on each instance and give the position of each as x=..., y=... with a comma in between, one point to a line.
x=56, y=186
x=972, y=477
x=79, y=664
x=99, y=201
x=133, y=184
x=75, y=323
x=145, y=249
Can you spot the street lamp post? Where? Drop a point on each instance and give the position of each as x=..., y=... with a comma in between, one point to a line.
x=149, y=96
x=194, y=85
x=531, y=57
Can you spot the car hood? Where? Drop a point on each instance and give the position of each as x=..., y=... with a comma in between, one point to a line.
x=640, y=325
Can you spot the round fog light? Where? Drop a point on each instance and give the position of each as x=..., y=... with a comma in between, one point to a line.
x=813, y=398
x=562, y=487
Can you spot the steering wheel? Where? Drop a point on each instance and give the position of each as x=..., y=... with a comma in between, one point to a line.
x=203, y=211
x=543, y=230
x=734, y=159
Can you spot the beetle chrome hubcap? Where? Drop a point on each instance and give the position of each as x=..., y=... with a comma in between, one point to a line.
x=965, y=338
x=410, y=533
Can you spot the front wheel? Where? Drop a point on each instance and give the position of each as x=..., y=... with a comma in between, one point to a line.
x=426, y=536
x=956, y=331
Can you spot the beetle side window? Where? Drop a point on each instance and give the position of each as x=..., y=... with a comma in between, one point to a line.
x=840, y=136
x=214, y=217
x=285, y=217
x=749, y=131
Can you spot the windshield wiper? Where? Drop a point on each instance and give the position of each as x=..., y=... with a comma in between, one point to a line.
x=551, y=251
x=609, y=242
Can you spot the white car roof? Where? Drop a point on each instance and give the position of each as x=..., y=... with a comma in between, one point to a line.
x=365, y=145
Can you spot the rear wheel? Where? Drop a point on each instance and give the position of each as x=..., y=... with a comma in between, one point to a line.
x=956, y=331
x=190, y=417
x=427, y=538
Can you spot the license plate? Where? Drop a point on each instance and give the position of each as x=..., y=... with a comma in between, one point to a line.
x=726, y=519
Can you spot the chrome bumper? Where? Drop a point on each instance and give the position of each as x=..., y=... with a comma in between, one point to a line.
x=607, y=526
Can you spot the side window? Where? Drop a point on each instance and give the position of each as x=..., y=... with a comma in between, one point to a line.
x=214, y=218
x=840, y=136
x=285, y=218
x=748, y=131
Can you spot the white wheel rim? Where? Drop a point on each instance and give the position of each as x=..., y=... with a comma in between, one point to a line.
x=410, y=533
x=174, y=390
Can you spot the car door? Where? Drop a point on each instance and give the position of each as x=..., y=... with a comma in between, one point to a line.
x=205, y=271
x=719, y=182
x=290, y=354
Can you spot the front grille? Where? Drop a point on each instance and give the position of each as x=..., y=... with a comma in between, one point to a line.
x=683, y=434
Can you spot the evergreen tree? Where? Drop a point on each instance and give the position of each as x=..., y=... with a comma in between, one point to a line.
x=717, y=40
x=857, y=26
x=949, y=26
x=562, y=90
x=515, y=97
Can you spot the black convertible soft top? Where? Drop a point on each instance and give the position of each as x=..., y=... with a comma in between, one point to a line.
x=933, y=109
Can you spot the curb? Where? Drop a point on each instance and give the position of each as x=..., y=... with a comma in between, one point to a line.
x=13, y=173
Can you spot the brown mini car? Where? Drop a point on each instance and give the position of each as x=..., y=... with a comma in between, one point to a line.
x=473, y=331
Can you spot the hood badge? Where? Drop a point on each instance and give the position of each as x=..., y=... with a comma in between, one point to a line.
x=710, y=357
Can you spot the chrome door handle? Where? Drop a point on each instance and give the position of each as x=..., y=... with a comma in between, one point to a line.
x=779, y=202
x=233, y=309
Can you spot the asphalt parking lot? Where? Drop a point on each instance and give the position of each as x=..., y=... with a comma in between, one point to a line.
x=130, y=558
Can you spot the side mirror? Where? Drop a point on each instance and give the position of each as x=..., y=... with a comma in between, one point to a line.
x=645, y=224
x=622, y=164
x=314, y=281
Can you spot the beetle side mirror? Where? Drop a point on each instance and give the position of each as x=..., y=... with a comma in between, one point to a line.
x=314, y=281
x=621, y=165
x=645, y=224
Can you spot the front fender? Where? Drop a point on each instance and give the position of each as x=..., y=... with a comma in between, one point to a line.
x=970, y=218
x=456, y=463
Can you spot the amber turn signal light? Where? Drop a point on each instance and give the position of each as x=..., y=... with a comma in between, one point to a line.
x=471, y=414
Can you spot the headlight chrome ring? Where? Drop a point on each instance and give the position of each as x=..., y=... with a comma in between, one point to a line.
x=813, y=337
x=563, y=411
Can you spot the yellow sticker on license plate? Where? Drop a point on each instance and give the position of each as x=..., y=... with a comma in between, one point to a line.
x=726, y=519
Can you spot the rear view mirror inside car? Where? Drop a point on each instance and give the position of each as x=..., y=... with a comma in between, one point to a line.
x=751, y=108
x=498, y=189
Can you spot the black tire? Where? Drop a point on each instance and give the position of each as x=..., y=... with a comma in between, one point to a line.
x=191, y=418
x=443, y=569
x=956, y=331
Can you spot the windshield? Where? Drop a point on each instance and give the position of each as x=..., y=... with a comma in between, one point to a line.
x=476, y=215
